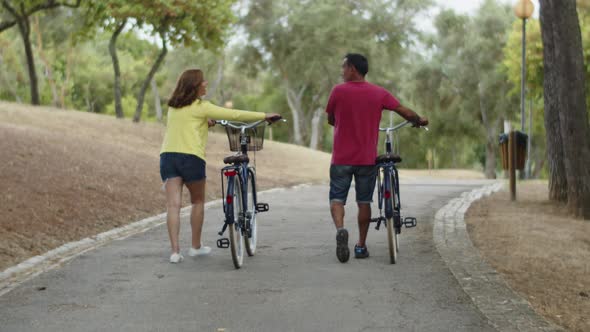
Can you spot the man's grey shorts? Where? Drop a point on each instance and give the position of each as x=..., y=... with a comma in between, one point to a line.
x=341, y=178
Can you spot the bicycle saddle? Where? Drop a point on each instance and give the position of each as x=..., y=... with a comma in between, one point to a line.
x=385, y=158
x=236, y=158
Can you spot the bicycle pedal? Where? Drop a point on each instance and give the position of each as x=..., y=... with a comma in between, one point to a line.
x=223, y=243
x=410, y=222
x=262, y=207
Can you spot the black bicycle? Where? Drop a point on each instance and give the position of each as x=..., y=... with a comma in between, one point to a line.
x=389, y=194
x=240, y=204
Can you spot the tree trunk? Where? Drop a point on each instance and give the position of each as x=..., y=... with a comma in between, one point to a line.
x=117, y=69
x=294, y=101
x=64, y=86
x=157, y=102
x=557, y=178
x=24, y=28
x=555, y=156
x=43, y=57
x=565, y=88
x=217, y=82
x=25, y=31
x=490, y=170
x=490, y=166
x=21, y=19
x=316, y=128
x=539, y=163
x=146, y=83
x=89, y=98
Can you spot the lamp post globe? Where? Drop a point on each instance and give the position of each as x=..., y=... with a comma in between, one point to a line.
x=524, y=9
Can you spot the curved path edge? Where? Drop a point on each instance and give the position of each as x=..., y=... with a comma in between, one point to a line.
x=505, y=309
x=13, y=276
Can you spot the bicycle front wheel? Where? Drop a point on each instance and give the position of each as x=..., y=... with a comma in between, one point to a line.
x=236, y=235
x=389, y=206
x=392, y=241
x=251, y=237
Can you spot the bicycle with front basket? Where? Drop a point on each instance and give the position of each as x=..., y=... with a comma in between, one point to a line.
x=240, y=202
x=389, y=193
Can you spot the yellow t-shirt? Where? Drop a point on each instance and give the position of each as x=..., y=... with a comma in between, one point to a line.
x=187, y=130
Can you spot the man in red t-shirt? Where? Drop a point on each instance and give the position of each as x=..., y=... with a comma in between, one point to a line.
x=354, y=109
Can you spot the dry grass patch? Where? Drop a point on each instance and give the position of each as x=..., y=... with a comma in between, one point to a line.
x=543, y=254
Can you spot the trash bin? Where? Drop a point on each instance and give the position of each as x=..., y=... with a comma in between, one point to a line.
x=521, y=146
x=504, y=150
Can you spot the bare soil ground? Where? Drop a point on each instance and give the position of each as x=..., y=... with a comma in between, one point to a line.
x=543, y=254
x=66, y=175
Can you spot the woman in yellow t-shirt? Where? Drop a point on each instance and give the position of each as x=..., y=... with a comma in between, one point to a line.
x=182, y=157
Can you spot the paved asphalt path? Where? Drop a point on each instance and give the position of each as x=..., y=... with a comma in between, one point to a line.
x=294, y=283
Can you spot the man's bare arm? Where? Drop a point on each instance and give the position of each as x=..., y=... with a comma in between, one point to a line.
x=411, y=116
x=331, y=119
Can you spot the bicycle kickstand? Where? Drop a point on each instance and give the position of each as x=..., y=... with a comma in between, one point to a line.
x=378, y=221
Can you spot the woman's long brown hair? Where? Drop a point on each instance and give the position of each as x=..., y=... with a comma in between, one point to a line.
x=186, y=89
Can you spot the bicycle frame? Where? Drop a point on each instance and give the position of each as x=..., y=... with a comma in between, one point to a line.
x=243, y=229
x=241, y=170
x=384, y=191
x=389, y=169
x=229, y=173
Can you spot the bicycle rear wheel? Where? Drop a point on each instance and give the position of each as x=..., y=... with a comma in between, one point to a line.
x=389, y=204
x=252, y=237
x=236, y=236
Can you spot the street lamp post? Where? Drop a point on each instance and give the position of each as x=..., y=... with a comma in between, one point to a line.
x=523, y=10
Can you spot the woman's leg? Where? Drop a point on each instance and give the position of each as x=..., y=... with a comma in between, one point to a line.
x=173, y=203
x=197, y=191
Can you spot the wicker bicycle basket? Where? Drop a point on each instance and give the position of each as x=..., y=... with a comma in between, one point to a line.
x=255, y=137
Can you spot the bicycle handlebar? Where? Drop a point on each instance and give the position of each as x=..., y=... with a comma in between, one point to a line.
x=243, y=125
x=401, y=125
x=239, y=125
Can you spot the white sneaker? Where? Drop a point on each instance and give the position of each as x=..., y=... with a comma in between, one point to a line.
x=203, y=251
x=176, y=258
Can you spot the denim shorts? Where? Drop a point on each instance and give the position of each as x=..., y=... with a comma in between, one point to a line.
x=187, y=166
x=364, y=182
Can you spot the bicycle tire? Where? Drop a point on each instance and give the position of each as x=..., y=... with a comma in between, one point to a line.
x=396, y=207
x=251, y=239
x=380, y=188
x=392, y=242
x=236, y=236
x=391, y=233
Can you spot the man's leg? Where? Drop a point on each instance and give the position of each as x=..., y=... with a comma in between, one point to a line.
x=337, y=211
x=340, y=179
x=364, y=178
x=364, y=220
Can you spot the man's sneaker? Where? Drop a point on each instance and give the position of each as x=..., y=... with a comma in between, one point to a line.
x=203, y=251
x=176, y=258
x=342, y=251
x=360, y=252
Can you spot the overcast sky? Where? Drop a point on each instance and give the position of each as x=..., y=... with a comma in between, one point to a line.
x=469, y=6
x=461, y=6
